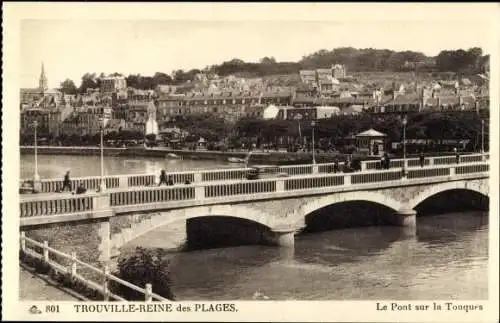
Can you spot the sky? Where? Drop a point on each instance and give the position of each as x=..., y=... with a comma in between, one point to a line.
x=71, y=47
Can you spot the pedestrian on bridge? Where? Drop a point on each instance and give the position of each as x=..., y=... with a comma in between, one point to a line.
x=163, y=178
x=387, y=161
x=382, y=162
x=422, y=159
x=336, y=165
x=457, y=155
x=66, y=182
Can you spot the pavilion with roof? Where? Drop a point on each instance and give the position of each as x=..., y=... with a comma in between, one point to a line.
x=371, y=142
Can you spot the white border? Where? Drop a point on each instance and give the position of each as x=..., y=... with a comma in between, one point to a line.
x=248, y=311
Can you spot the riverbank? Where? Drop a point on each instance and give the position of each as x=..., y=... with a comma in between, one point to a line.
x=257, y=157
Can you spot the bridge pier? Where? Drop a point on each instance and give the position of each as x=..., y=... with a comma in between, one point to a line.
x=284, y=238
x=407, y=219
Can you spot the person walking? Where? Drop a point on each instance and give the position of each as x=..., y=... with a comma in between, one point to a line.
x=421, y=158
x=66, y=182
x=387, y=161
x=336, y=165
x=457, y=155
x=163, y=178
x=382, y=162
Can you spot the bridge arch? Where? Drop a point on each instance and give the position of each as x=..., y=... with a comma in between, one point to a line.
x=443, y=187
x=181, y=216
x=367, y=196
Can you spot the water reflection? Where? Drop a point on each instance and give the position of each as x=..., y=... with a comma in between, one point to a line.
x=54, y=166
x=355, y=263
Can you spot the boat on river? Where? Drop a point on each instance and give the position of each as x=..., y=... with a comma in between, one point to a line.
x=172, y=156
x=236, y=160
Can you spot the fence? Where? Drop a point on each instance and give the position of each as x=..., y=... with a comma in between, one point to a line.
x=72, y=270
x=415, y=162
x=39, y=205
x=136, y=180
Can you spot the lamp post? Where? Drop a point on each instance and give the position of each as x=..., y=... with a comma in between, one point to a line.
x=313, y=124
x=36, y=177
x=482, y=136
x=405, y=121
x=102, y=187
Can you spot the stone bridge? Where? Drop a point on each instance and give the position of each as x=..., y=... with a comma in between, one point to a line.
x=98, y=225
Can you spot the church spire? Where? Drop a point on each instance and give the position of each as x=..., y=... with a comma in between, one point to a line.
x=42, y=82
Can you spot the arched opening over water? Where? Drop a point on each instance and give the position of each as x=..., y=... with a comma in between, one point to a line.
x=453, y=200
x=451, y=216
x=215, y=231
x=348, y=214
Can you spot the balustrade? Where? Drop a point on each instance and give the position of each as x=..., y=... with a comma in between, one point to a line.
x=313, y=182
x=376, y=177
x=62, y=205
x=137, y=180
x=415, y=162
x=224, y=174
x=475, y=168
x=36, y=205
x=250, y=187
x=428, y=172
x=297, y=169
x=152, y=195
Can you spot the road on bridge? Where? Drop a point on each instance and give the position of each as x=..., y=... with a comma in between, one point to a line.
x=54, y=195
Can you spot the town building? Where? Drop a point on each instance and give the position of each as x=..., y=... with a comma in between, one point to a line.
x=339, y=71
x=229, y=105
x=113, y=83
x=86, y=120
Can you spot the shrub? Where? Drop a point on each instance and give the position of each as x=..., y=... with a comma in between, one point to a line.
x=141, y=267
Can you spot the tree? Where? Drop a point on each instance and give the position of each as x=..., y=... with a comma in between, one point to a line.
x=161, y=78
x=268, y=60
x=144, y=266
x=68, y=87
x=88, y=82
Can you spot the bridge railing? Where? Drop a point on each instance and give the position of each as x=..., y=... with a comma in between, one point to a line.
x=415, y=162
x=71, y=268
x=41, y=206
x=152, y=195
x=34, y=205
x=136, y=180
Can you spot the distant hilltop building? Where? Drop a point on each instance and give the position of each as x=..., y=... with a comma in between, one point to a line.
x=43, y=84
x=41, y=96
x=113, y=84
x=324, y=79
x=339, y=71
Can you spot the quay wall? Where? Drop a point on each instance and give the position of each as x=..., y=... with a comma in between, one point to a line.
x=256, y=157
x=280, y=158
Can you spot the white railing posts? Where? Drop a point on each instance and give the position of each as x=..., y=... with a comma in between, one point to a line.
x=105, y=282
x=347, y=179
x=73, y=264
x=46, y=251
x=149, y=293
x=23, y=241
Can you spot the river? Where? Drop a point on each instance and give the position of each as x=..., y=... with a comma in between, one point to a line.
x=54, y=166
x=447, y=259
